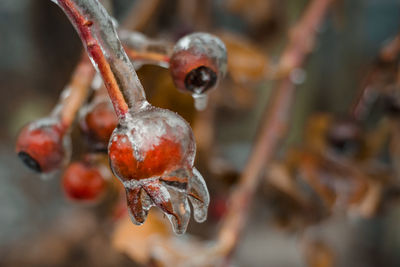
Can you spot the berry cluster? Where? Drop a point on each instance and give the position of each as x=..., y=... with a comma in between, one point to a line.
x=151, y=150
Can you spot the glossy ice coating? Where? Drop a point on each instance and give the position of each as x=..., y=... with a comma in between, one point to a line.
x=152, y=150
x=150, y=143
x=152, y=153
x=98, y=34
x=98, y=121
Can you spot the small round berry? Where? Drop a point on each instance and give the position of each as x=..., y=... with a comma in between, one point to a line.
x=41, y=145
x=83, y=181
x=97, y=122
x=198, y=63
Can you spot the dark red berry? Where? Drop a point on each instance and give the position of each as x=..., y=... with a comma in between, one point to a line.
x=161, y=158
x=41, y=145
x=98, y=123
x=152, y=142
x=198, y=62
x=193, y=72
x=83, y=182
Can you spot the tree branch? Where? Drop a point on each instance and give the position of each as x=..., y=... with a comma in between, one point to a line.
x=78, y=88
x=105, y=50
x=273, y=127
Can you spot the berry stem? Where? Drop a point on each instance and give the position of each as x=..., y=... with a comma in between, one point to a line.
x=76, y=91
x=148, y=57
x=97, y=32
x=144, y=50
x=272, y=128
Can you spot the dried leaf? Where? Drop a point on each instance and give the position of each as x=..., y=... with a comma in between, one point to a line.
x=137, y=241
x=246, y=62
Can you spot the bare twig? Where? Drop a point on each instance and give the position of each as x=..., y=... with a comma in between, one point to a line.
x=302, y=37
x=78, y=86
x=83, y=75
x=273, y=127
x=92, y=23
x=78, y=89
x=146, y=56
x=94, y=50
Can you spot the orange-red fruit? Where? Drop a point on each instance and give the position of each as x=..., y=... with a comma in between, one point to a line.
x=83, y=182
x=40, y=146
x=99, y=123
x=193, y=72
x=161, y=158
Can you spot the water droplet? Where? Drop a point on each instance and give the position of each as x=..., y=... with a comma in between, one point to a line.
x=200, y=101
x=298, y=76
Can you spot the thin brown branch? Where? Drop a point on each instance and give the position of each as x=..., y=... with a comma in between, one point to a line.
x=83, y=26
x=302, y=38
x=273, y=127
x=83, y=75
x=146, y=56
x=78, y=90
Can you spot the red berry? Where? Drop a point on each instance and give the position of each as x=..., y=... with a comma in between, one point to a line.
x=98, y=123
x=83, y=181
x=198, y=63
x=193, y=72
x=152, y=153
x=41, y=145
x=155, y=148
x=161, y=158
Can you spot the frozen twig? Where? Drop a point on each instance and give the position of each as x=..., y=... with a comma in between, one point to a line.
x=143, y=50
x=273, y=127
x=99, y=37
x=145, y=56
x=83, y=75
x=78, y=88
